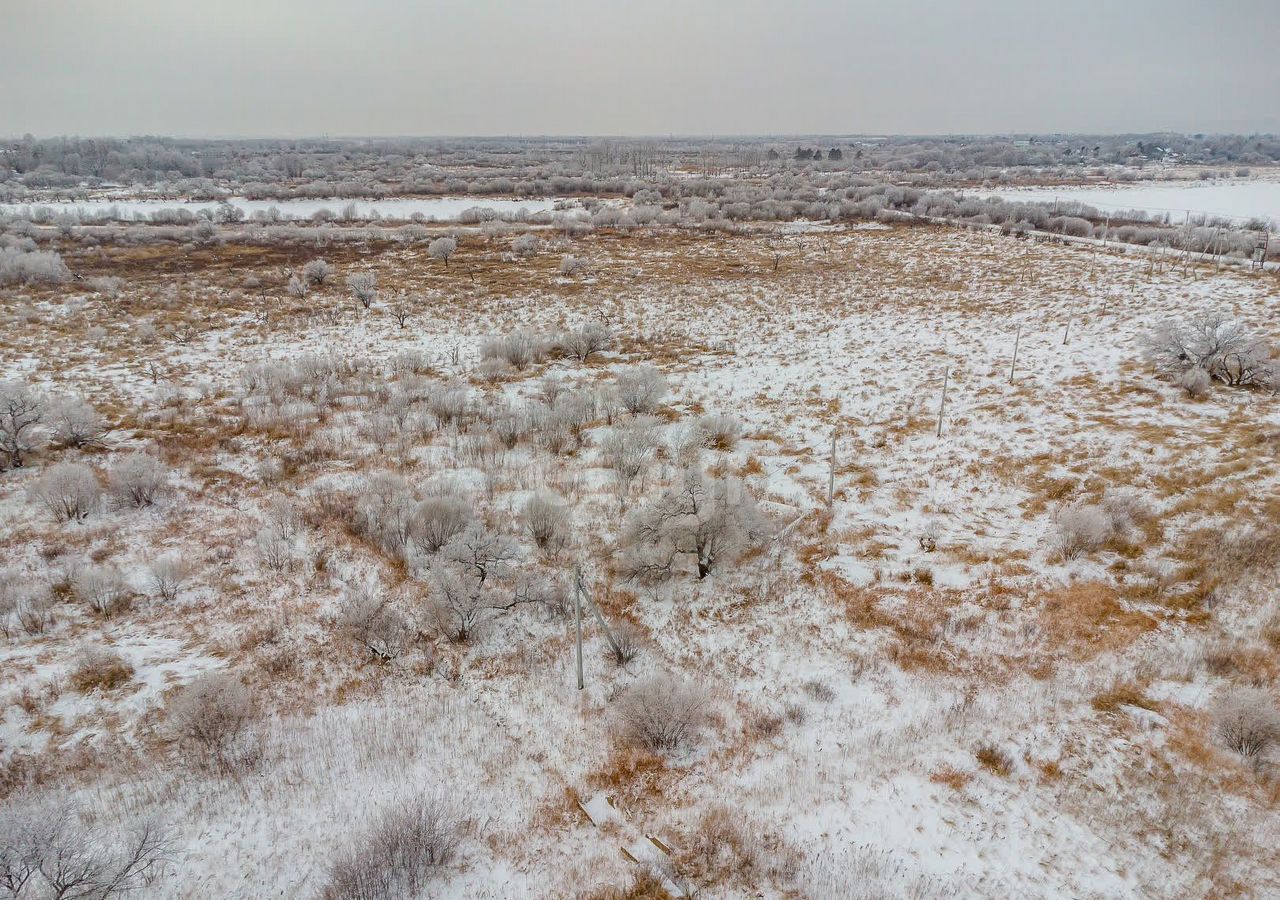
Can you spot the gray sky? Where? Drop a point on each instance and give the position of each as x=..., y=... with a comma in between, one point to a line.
x=475, y=67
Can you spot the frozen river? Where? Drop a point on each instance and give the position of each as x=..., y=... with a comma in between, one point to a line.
x=1239, y=200
x=394, y=208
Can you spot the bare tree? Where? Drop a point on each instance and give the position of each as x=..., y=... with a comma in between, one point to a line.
x=168, y=575
x=46, y=850
x=479, y=552
x=22, y=410
x=1219, y=345
x=437, y=520
x=627, y=449
x=712, y=520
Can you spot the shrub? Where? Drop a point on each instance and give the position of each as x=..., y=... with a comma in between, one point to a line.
x=627, y=641
x=19, y=266
x=525, y=245
x=399, y=854
x=660, y=713
x=1195, y=382
x=102, y=588
x=1247, y=722
x=363, y=286
x=1081, y=529
x=442, y=249
x=370, y=620
x=211, y=715
x=639, y=389
x=168, y=575
x=571, y=265
x=137, y=480
x=627, y=449
x=75, y=423
x=317, y=271
x=547, y=522
x=70, y=491
x=437, y=520
x=719, y=432
x=519, y=350
x=98, y=668
x=582, y=343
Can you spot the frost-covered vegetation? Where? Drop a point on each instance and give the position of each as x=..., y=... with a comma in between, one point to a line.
x=301, y=522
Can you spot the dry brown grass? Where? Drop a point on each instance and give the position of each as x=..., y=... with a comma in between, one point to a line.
x=1086, y=618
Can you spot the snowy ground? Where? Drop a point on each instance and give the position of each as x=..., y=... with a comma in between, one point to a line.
x=910, y=695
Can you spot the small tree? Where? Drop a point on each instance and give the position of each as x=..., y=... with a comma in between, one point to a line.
x=1219, y=345
x=370, y=620
x=712, y=520
x=102, y=588
x=22, y=410
x=168, y=575
x=437, y=520
x=442, y=249
x=582, y=343
x=363, y=286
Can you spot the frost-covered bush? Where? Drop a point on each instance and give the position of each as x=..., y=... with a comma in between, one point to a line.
x=480, y=552
x=628, y=447
x=19, y=266
x=317, y=272
x=525, y=245
x=1080, y=529
x=661, y=713
x=22, y=410
x=582, y=343
x=101, y=588
x=437, y=520
x=519, y=349
x=1222, y=347
x=70, y=491
x=168, y=575
x=212, y=716
x=546, y=520
x=298, y=287
x=75, y=423
x=363, y=286
x=718, y=432
x=571, y=265
x=400, y=854
x=137, y=480
x=1196, y=383
x=371, y=621
x=714, y=521
x=1247, y=721
x=640, y=389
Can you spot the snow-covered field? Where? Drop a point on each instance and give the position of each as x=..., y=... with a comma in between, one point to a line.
x=1239, y=200
x=908, y=693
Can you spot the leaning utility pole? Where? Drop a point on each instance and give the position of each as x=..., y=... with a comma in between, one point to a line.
x=1013, y=366
x=577, y=622
x=946, y=376
x=831, y=474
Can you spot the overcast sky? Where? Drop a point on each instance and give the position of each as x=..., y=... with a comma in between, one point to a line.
x=481, y=67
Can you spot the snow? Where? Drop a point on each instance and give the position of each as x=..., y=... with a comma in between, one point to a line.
x=1239, y=200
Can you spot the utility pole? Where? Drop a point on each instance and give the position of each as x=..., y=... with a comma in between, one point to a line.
x=595, y=610
x=946, y=376
x=831, y=475
x=1013, y=366
x=577, y=620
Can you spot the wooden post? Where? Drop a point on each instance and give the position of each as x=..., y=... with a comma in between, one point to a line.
x=1106, y=229
x=577, y=622
x=1013, y=366
x=831, y=475
x=946, y=376
x=1066, y=332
